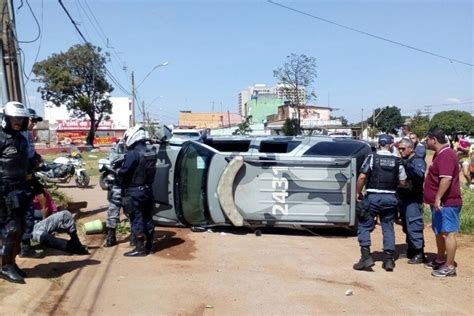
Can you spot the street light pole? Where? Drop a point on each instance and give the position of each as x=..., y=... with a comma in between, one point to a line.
x=133, y=100
x=148, y=74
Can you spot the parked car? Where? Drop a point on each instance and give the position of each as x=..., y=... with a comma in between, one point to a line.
x=258, y=181
x=181, y=135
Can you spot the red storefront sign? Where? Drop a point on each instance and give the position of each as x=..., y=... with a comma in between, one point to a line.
x=79, y=138
x=74, y=125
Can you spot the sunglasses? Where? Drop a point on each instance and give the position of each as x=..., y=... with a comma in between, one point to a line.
x=402, y=148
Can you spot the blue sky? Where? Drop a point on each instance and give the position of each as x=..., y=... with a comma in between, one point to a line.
x=215, y=49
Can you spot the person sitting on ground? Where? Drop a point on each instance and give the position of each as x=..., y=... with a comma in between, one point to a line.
x=55, y=221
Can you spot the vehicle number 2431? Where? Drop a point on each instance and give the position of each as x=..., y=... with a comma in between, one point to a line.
x=280, y=191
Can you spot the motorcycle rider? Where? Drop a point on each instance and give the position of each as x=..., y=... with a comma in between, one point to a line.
x=114, y=195
x=136, y=176
x=380, y=173
x=14, y=196
x=411, y=201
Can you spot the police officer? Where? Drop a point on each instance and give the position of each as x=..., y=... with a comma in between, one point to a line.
x=114, y=196
x=136, y=176
x=14, y=198
x=381, y=173
x=411, y=200
x=35, y=186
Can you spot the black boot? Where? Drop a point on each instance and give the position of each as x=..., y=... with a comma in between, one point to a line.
x=26, y=250
x=8, y=271
x=149, y=244
x=418, y=258
x=365, y=261
x=75, y=246
x=50, y=241
x=111, y=238
x=19, y=271
x=389, y=261
x=139, y=250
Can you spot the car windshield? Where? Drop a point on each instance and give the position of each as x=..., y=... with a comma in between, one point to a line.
x=191, y=183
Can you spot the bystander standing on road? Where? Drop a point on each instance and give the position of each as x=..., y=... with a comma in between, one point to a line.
x=420, y=149
x=411, y=201
x=443, y=193
x=381, y=173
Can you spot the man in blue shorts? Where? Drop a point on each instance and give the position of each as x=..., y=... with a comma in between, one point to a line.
x=443, y=193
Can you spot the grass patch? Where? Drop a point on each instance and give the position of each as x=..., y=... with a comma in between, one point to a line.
x=467, y=211
x=91, y=160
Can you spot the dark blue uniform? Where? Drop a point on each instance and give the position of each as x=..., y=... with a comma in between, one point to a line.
x=136, y=176
x=14, y=200
x=411, y=204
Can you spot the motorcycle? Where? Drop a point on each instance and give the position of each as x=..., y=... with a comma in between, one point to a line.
x=107, y=174
x=63, y=169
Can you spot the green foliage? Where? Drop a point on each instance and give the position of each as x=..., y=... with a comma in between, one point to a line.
x=387, y=119
x=244, y=127
x=342, y=118
x=77, y=78
x=123, y=228
x=453, y=121
x=290, y=127
x=467, y=211
x=299, y=71
x=419, y=124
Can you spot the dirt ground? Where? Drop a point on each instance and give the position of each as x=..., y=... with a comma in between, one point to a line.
x=234, y=272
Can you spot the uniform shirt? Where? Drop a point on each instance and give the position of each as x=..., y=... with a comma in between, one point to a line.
x=420, y=150
x=130, y=163
x=31, y=144
x=415, y=168
x=445, y=165
x=368, y=164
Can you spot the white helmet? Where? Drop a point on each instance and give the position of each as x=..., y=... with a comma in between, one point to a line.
x=15, y=109
x=133, y=135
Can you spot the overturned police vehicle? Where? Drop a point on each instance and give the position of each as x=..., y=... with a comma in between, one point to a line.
x=258, y=181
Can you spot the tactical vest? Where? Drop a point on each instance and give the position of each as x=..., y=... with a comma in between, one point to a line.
x=13, y=160
x=385, y=173
x=146, y=169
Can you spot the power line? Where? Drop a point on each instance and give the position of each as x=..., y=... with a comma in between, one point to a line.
x=369, y=34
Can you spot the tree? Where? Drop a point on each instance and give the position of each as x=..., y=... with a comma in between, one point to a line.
x=387, y=119
x=419, y=124
x=341, y=118
x=298, y=72
x=244, y=127
x=290, y=127
x=76, y=78
x=453, y=121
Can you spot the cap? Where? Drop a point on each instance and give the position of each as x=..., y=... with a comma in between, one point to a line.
x=34, y=116
x=385, y=139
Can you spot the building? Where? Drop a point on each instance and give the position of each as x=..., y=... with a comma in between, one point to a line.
x=204, y=120
x=73, y=130
x=263, y=91
x=313, y=117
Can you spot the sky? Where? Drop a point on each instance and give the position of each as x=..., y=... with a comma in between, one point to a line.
x=215, y=49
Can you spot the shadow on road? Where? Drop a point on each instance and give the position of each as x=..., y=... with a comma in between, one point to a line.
x=56, y=269
x=326, y=232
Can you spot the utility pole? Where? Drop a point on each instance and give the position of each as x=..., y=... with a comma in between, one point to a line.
x=143, y=112
x=132, y=123
x=361, y=123
x=13, y=84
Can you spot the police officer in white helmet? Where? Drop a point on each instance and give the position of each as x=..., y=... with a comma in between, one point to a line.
x=14, y=199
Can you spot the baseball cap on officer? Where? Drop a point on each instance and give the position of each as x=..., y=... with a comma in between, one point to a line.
x=385, y=139
x=35, y=116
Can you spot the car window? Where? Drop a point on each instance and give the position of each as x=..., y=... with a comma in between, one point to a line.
x=335, y=148
x=191, y=181
x=186, y=134
x=277, y=146
x=229, y=145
